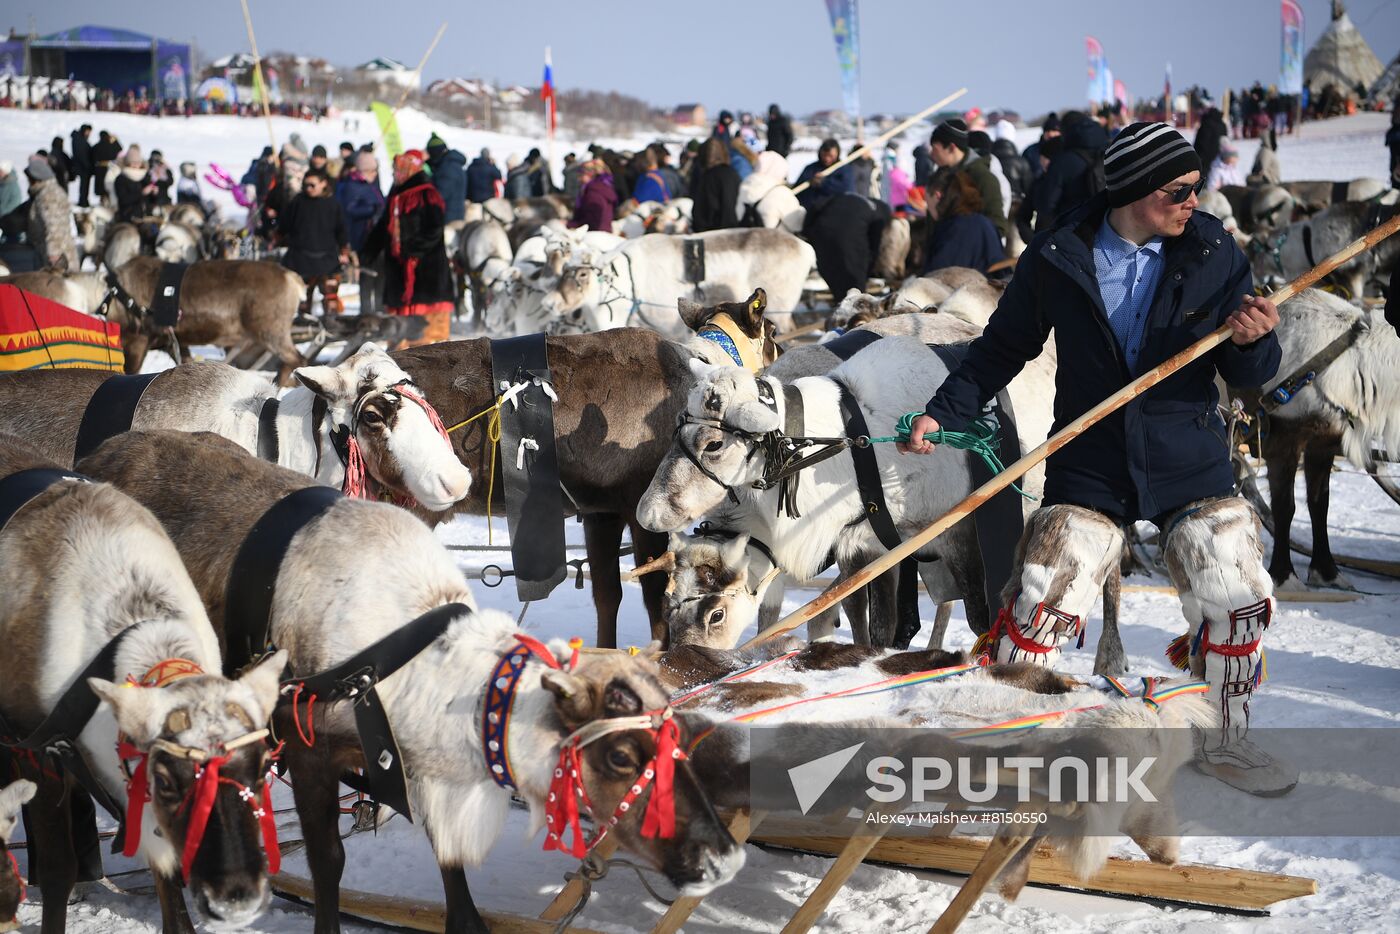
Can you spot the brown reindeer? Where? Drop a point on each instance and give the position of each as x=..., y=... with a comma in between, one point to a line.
x=619, y=394
x=243, y=306
x=352, y=576
x=80, y=565
x=740, y=325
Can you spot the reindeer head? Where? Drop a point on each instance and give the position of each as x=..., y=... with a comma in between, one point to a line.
x=856, y=308
x=579, y=286
x=709, y=600
x=371, y=401
x=715, y=450
x=201, y=744
x=698, y=855
x=12, y=797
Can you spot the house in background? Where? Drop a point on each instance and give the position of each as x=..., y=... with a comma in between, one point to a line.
x=689, y=115
x=388, y=71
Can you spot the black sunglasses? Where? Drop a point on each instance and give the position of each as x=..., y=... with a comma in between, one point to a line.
x=1179, y=195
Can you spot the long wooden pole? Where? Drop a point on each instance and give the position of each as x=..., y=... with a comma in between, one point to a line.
x=840, y=590
x=262, y=83
x=900, y=127
x=418, y=72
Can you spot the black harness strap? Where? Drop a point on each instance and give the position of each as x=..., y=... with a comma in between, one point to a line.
x=1341, y=192
x=872, y=492
x=851, y=343
x=534, y=501
x=1307, y=243
x=355, y=680
x=57, y=736
x=110, y=411
x=252, y=580
x=20, y=487
x=999, y=522
x=693, y=260
x=1301, y=376
x=705, y=530
x=268, y=447
x=165, y=307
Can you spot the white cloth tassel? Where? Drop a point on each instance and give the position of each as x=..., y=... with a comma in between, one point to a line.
x=526, y=444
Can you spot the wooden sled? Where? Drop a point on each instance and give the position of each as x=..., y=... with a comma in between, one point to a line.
x=412, y=913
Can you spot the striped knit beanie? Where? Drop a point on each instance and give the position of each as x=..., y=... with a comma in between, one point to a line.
x=1143, y=158
x=951, y=133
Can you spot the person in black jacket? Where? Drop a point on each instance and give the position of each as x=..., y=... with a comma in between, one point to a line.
x=449, y=177
x=1208, y=136
x=1075, y=174
x=1125, y=282
x=779, y=131
x=62, y=166
x=715, y=192
x=104, y=153
x=81, y=160
x=482, y=176
x=314, y=231
x=418, y=280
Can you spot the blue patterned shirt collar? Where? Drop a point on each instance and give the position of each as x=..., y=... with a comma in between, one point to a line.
x=1117, y=246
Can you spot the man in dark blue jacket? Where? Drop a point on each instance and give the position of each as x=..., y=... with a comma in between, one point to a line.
x=449, y=174
x=821, y=190
x=1125, y=282
x=482, y=176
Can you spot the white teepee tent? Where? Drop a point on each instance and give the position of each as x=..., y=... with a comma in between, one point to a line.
x=1341, y=57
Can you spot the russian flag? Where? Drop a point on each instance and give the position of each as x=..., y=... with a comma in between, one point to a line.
x=547, y=93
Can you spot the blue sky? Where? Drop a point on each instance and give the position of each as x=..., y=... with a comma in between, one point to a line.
x=744, y=54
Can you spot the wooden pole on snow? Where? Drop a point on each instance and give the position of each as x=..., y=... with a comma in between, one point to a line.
x=839, y=591
x=262, y=82
x=418, y=72
x=900, y=127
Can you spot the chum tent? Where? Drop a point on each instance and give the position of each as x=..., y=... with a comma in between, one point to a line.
x=115, y=59
x=1341, y=57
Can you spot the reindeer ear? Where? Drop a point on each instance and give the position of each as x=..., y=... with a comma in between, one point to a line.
x=14, y=796
x=139, y=713
x=263, y=680
x=754, y=307
x=324, y=381
x=572, y=698
x=735, y=554
x=701, y=368
x=692, y=313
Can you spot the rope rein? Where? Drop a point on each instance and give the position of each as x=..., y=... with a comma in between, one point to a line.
x=981, y=438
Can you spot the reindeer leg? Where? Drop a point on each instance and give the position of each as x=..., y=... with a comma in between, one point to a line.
x=602, y=535
x=174, y=916
x=1282, y=448
x=318, y=808
x=1110, y=658
x=51, y=825
x=883, y=593
x=1317, y=479
x=649, y=543
x=462, y=914
x=907, y=623
x=940, y=625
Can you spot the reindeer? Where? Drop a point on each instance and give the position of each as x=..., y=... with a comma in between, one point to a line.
x=712, y=601
x=717, y=449
x=1349, y=407
x=739, y=329
x=358, y=573
x=244, y=306
x=178, y=242
x=640, y=282
x=81, y=291
x=958, y=291
x=121, y=246
x=367, y=401
x=12, y=797
x=82, y=564
x=619, y=395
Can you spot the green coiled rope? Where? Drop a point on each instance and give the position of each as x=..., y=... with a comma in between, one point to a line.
x=980, y=438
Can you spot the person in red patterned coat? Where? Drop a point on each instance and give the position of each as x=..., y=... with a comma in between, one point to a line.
x=418, y=279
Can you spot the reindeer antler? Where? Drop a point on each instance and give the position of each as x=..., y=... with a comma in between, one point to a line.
x=666, y=562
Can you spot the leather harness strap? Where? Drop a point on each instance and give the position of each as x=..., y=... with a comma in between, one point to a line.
x=110, y=411
x=268, y=447
x=872, y=491
x=20, y=487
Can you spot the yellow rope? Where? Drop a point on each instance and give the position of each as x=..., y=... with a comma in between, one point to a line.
x=493, y=434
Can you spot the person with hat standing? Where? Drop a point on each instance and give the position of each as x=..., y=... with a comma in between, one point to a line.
x=950, y=150
x=50, y=217
x=81, y=160
x=417, y=278
x=314, y=230
x=134, y=190
x=1125, y=281
x=449, y=172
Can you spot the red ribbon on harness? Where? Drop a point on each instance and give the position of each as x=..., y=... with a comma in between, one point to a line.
x=14, y=864
x=660, y=818
x=357, y=483
x=206, y=786
x=138, y=792
x=562, y=811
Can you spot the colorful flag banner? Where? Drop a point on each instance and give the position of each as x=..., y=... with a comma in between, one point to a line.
x=388, y=128
x=1100, y=87
x=845, y=28
x=551, y=103
x=1168, y=105
x=1290, y=66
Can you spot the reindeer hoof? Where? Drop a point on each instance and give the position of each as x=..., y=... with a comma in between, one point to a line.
x=1340, y=582
x=1291, y=585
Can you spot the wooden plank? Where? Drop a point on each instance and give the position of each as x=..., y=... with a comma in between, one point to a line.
x=1000, y=851
x=740, y=826
x=849, y=854
x=1282, y=596
x=573, y=890
x=1215, y=886
x=412, y=913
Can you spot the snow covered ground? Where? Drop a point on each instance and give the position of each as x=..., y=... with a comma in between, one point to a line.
x=1332, y=665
